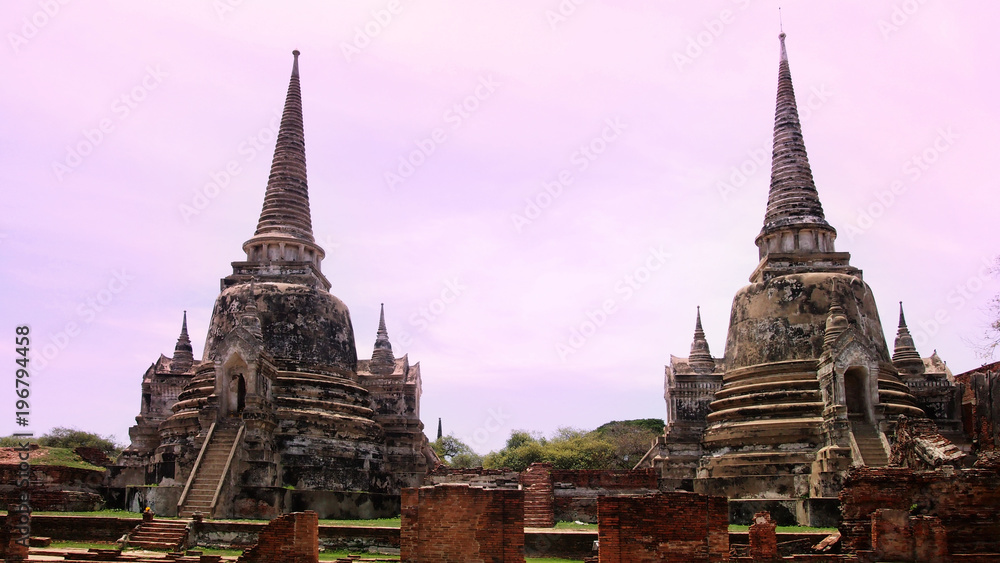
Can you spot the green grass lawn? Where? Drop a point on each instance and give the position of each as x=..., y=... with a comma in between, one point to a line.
x=323, y=556
x=786, y=529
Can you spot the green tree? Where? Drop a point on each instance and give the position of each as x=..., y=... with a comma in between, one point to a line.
x=455, y=453
x=630, y=438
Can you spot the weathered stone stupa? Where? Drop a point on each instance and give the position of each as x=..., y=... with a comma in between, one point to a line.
x=279, y=414
x=807, y=386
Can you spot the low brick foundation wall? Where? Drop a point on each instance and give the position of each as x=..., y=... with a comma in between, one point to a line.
x=451, y=522
x=292, y=538
x=663, y=527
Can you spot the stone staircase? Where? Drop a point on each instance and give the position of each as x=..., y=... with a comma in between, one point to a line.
x=159, y=534
x=209, y=472
x=866, y=437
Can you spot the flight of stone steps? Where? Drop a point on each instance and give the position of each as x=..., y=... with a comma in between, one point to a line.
x=159, y=534
x=209, y=473
x=872, y=451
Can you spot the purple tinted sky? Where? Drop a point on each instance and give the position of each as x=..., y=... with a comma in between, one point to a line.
x=135, y=224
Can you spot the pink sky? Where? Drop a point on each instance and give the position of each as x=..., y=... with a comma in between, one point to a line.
x=636, y=115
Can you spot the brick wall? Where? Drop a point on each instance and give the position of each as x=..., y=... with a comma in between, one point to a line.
x=897, y=536
x=674, y=526
x=552, y=495
x=610, y=480
x=763, y=540
x=12, y=545
x=453, y=522
x=539, y=511
x=292, y=538
x=967, y=502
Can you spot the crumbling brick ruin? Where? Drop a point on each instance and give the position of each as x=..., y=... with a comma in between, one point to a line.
x=763, y=540
x=663, y=527
x=965, y=501
x=453, y=522
x=292, y=538
x=12, y=544
x=556, y=495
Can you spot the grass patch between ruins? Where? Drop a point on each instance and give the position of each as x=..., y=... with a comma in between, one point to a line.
x=64, y=457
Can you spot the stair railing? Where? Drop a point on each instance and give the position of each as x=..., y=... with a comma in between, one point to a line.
x=225, y=470
x=194, y=470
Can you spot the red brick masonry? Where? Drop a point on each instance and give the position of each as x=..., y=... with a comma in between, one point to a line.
x=449, y=523
x=292, y=538
x=678, y=526
x=763, y=540
x=967, y=502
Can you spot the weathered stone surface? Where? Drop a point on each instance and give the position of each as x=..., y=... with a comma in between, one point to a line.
x=279, y=398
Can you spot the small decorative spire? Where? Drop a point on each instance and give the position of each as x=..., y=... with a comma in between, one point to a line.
x=700, y=358
x=249, y=319
x=183, y=353
x=905, y=356
x=836, y=321
x=383, y=361
x=440, y=434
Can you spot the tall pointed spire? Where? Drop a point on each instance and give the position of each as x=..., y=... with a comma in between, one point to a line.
x=700, y=358
x=382, y=359
x=905, y=356
x=793, y=197
x=284, y=230
x=794, y=223
x=183, y=353
x=286, y=202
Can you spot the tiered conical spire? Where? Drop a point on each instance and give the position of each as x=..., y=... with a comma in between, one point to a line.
x=793, y=202
x=904, y=355
x=183, y=353
x=793, y=197
x=286, y=202
x=382, y=359
x=700, y=358
x=284, y=230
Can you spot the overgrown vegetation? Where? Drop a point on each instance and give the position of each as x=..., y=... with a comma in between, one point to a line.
x=615, y=445
x=69, y=439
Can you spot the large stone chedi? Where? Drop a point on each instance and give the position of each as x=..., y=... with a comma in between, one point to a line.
x=807, y=386
x=279, y=414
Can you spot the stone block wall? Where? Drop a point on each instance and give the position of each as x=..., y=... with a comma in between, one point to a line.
x=675, y=526
x=292, y=538
x=453, y=522
x=474, y=476
x=967, y=502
